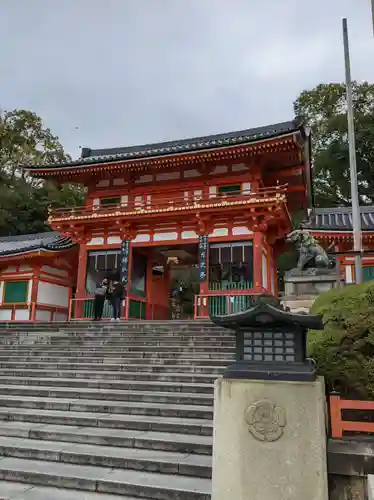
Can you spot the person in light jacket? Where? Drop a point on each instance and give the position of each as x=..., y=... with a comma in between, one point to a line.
x=100, y=295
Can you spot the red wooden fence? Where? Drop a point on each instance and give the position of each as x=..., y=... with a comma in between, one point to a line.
x=338, y=425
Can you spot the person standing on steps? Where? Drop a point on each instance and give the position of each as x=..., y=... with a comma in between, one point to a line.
x=100, y=295
x=116, y=298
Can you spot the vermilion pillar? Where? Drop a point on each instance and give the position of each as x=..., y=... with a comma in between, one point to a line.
x=82, y=271
x=257, y=261
x=77, y=311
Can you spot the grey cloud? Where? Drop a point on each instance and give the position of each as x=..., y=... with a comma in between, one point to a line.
x=127, y=72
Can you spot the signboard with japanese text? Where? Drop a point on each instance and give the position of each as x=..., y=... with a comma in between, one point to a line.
x=203, y=258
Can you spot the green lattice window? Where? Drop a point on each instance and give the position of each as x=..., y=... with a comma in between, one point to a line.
x=110, y=201
x=232, y=189
x=15, y=292
x=368, y=273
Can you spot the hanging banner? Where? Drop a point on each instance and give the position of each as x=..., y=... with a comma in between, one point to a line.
x=124, y=267
x=203, y=258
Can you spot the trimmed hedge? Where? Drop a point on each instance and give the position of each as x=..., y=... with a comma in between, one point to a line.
x=344, y=350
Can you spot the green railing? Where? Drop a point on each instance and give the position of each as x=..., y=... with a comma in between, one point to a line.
x=219, y=286
x=225, y=304
x=137, y=309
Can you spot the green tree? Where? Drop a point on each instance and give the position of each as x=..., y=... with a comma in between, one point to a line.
x=344, y=349
x=24, y=201
x=324, y=108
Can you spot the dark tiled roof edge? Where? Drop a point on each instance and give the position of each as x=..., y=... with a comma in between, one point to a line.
x=49, y=241
x=339, y=219
x=96, y=156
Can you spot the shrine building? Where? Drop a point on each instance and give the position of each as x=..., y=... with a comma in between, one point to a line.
x=215, y=208
x=334, y=226
x=37, y=277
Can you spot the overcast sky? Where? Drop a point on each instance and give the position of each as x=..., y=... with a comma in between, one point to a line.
x=106, y=73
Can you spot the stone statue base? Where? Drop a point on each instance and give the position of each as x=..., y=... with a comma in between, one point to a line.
x=310, y=282
x=269, y=440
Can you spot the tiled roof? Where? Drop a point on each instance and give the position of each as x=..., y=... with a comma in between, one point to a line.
x=92, y=156
x=51, y=241
x=339, y=219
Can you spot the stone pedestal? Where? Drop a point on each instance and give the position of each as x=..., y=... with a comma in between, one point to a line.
x=310, y=282
x=269, y=440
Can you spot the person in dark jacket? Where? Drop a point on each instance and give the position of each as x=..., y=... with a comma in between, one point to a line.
x=100, y=294
x=116, y=298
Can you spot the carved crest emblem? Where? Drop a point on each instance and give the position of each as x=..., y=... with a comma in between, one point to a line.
x=266, y=421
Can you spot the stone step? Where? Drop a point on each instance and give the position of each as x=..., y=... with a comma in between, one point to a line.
x=108, y=420
x=94, y=381
x=125, y=365
x=165, y=462
x=105, y=480
x=111, y=407
x=108, y=370
x=135, y=340
x=124, y=348
x=107, y=394
x=99, y=355
x=151, y=440
x=10, y=490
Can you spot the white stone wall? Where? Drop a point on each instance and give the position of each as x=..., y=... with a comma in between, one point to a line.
x=51, y=294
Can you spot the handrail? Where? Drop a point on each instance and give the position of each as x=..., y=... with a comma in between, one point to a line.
x=338, y=425
x=32, y=308
x=222, y=302
x=169, y=203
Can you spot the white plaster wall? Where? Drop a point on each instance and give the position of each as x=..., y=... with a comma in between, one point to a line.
x=1, y=291
x=212, y=191
x=198, y=195
x=54, y=270
x=188, y=234
x=165, y=236
x=51, y=294
x=220, y=169
x=5, y=314
x=103, y=183
x=29, y=291
x=167, y=176
x=348, y=274
x=240, y=230
x=119, y=182
x=142, y=238
x=144, y=178
x=60, y=317
x=239, y=167
x=96, y=203
x=25, y=268
x=191, y=173
x=41, y=315
x=246, y=187
x=114, y=239
x=124, y=200
x=219, y=231
x=22, y=314
x=96, y=241
x=10, y=269
x=264, y=271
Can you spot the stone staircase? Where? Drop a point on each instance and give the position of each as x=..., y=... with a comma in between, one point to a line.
x=108, y=411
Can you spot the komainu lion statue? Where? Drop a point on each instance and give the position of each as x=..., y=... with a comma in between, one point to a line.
x=311, y=254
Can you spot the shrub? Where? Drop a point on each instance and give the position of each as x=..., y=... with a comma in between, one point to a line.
x=344, y=350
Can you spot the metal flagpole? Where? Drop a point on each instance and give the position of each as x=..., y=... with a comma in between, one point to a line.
x=356, y=215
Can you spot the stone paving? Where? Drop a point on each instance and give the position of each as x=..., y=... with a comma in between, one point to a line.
x=109, y=412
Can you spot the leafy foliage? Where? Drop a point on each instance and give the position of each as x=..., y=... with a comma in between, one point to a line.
x=324, y=108
x=24, y=201
x=344, y=349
